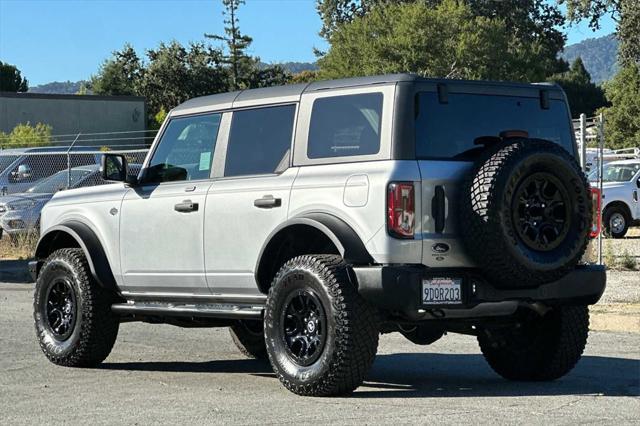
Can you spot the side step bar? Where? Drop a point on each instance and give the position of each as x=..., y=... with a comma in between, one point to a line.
x=209, y=310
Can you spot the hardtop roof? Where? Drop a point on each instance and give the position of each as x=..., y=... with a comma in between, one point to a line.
x=291, y=92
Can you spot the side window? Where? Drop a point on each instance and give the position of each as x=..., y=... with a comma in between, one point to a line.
x=185, y=150
x=38, y=166
x=344, y=126
x=259, y=140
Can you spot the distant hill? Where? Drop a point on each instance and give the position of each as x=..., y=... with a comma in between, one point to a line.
x=598, y=54
x=58, y=87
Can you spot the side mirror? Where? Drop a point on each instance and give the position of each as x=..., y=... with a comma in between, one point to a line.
x=114, y=169
x=638, y=183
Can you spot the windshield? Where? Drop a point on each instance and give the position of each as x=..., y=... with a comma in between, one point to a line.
x=616, y=172
x=6, y=161
x=448, y=130
x=59, y=181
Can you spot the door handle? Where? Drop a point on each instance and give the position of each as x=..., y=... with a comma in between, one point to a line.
x=267, y=202
x=186, y=206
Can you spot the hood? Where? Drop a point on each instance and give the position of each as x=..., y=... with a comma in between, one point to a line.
x=109, y=192
x=611, y=185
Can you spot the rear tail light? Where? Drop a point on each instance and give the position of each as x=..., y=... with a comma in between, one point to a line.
x=401, y=209
x=596, y=221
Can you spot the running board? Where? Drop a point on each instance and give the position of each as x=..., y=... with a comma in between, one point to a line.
x=203, y=310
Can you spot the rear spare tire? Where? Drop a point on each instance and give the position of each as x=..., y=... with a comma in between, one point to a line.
x=525, y=213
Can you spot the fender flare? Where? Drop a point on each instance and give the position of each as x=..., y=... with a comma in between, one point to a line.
x=343, y=237
x=90, y=245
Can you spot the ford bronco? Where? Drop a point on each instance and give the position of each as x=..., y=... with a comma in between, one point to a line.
x=312, y=218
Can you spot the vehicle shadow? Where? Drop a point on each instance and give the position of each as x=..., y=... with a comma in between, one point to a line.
x=433, y=375
x=419, y=375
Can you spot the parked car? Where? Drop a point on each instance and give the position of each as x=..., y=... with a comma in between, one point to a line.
x=620, y=187
x=311, y=218
x=8, y=156
x=29, y=165
x=20, y=213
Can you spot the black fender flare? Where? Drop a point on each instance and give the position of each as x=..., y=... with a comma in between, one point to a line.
x=90, y=245
x=345, y=239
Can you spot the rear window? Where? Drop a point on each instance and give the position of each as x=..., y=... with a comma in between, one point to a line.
x=344, y=126
x=448, y=130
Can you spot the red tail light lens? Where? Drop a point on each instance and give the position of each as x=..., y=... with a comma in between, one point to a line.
x=596, y=221
x=401, y=209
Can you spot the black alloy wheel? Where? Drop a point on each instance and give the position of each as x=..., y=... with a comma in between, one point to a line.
x=61, y=308
x=541, y=211
x=304, y=325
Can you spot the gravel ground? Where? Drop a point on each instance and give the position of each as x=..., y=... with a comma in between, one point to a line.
x=158, y=374
x=622, y=287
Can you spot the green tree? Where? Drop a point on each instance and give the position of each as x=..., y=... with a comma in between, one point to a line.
x=237, y=43
x=26, y=135
x=448, y=40
x=626, y=14
x=119, y=75
x=534, y=25
x=584, y=96
x=622, y=118
x=11, y=79
x=305, y=76
x=175, y=73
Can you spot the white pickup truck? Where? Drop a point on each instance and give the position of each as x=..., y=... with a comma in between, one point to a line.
x=620, y=188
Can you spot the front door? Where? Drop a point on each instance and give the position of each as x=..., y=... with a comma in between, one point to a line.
x=162, y=219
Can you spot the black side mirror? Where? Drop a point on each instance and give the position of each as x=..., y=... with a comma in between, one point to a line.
x=638, y=183
x=114, y=169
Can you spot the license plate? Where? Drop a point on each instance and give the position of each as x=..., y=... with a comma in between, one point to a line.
x=442, y=291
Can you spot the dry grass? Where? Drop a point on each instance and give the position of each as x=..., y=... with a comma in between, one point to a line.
x=622, y=254
x=19, y=248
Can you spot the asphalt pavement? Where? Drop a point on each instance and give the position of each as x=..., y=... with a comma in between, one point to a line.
x=159, y=374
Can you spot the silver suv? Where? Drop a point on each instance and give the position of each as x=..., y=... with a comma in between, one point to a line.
x=311, y=218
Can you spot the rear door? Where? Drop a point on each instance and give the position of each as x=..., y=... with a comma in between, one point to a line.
x=447, y=124
x=250, y=198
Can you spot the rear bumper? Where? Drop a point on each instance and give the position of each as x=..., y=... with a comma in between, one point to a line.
x=399, y=288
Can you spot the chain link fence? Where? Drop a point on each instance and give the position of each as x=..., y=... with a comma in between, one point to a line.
x=591, y=138
x=30, y=176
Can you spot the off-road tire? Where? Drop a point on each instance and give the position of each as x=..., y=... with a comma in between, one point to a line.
x=351, y=327
x=95, y=328
x=606, y=218
x=249, y=338
x=540, y=348
x=487, y=214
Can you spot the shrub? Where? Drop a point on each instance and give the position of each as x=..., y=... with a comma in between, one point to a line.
x=26, y=135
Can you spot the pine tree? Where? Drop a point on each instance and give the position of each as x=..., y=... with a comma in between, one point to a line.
x=237, y=43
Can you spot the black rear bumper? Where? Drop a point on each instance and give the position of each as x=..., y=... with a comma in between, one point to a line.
x=399, y=288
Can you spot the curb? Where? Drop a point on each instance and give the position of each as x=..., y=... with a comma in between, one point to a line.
x=615, y=317
x=15, y=271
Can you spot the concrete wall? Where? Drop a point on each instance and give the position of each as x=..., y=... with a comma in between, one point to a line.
x=68, y=114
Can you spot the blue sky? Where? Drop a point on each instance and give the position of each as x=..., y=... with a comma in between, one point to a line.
x=68, y=39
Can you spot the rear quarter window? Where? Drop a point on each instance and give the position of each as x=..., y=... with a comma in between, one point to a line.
x=448, y=130
x=345, y=126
